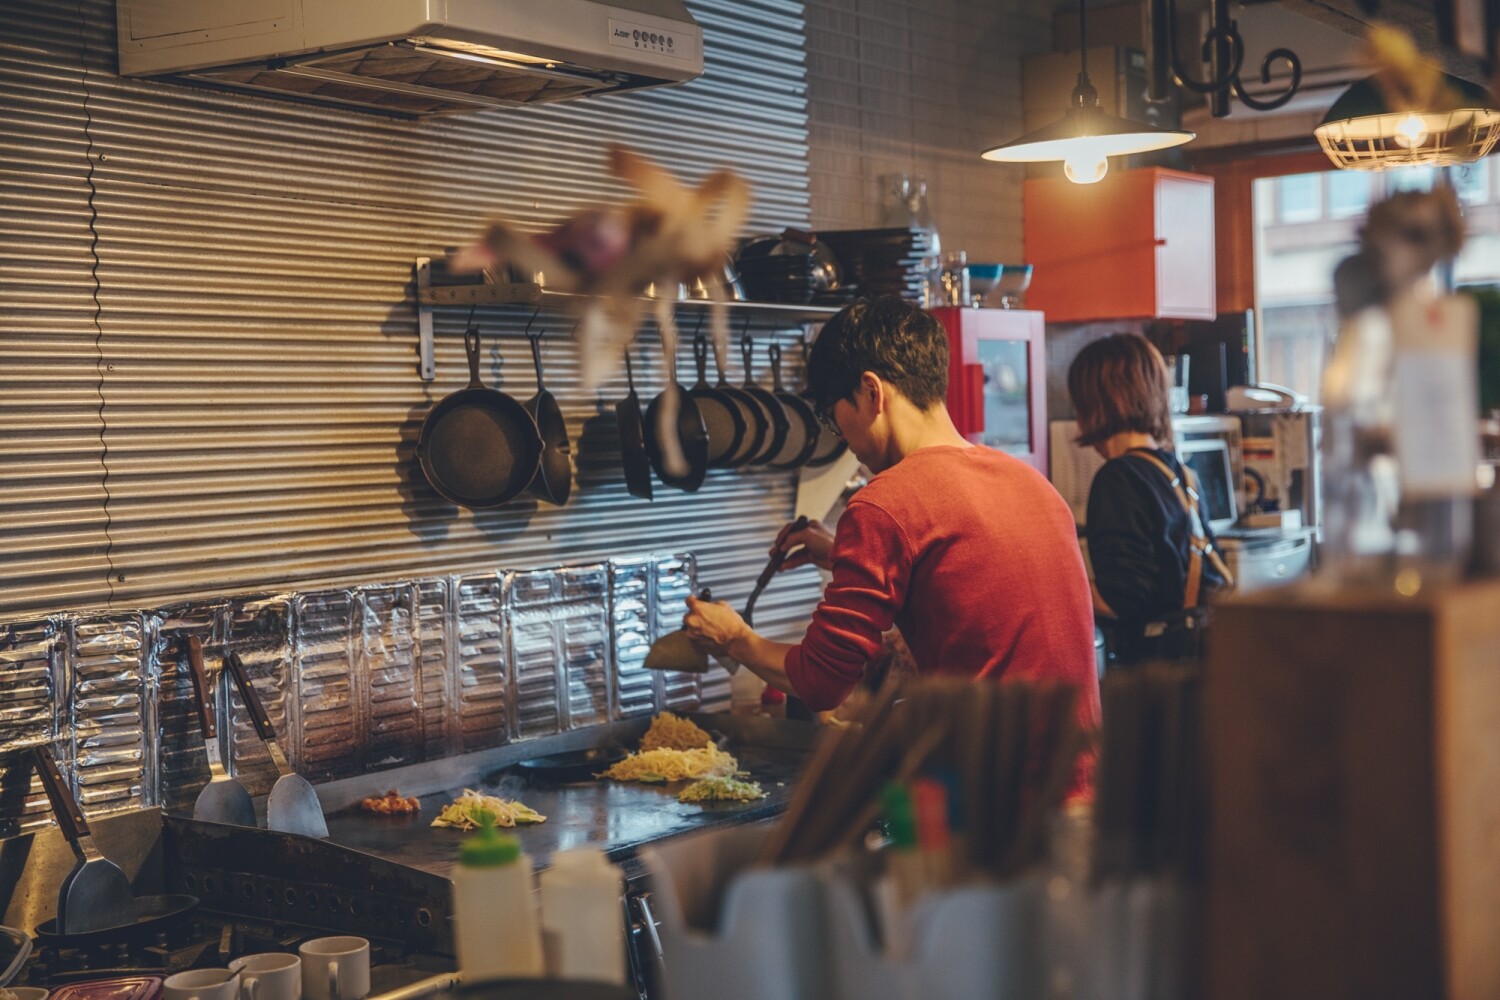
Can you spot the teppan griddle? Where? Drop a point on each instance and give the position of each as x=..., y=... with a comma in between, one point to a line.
x=617, y=817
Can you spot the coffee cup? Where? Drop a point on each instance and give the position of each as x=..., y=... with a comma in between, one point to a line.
x=202, y=984
x=269, y=976
x=335, y=968
x=28, y=992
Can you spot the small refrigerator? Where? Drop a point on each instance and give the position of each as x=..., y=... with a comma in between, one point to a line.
x=997, y=379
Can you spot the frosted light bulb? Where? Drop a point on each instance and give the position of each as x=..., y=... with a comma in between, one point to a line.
x=1411, y=132
x=1086, y=168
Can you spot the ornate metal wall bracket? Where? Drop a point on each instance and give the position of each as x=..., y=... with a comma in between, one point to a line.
x=1223, y=50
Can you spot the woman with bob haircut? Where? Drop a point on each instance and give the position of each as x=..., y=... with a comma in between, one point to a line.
x=1154, y=556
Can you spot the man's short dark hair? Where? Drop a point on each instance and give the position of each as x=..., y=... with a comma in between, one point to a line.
x=889, y=336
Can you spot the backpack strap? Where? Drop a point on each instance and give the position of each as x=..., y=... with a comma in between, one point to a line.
x=1199, y=548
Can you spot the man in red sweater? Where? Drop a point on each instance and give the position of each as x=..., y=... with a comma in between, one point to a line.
x=970, y=552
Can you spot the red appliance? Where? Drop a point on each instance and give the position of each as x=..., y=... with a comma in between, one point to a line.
x=997, y=379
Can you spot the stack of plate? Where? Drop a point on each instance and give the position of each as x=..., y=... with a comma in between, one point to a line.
x=884, y=261
x=794, y=268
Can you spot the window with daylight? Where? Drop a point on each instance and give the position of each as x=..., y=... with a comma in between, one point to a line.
x=1300, y=197
x=1348, y=193
x=1297, y=246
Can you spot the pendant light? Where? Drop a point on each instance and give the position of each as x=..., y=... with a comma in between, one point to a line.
x=1361, y=131
x=1086, y=136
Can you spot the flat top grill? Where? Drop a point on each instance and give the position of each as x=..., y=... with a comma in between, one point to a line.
x=613, y=816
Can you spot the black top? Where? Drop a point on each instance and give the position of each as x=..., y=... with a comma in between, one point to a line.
x=1139, y=541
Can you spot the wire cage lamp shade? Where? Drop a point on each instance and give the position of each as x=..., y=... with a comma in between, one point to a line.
x=1362, y=132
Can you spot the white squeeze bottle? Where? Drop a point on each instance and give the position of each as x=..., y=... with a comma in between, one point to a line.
x=583, y=920
x=494, y=909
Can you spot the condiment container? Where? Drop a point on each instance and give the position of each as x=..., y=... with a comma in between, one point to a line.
x=583, y=917
x=494, y=909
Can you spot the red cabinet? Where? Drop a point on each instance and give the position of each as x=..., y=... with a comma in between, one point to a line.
x=997, y=379
x=1139, y=244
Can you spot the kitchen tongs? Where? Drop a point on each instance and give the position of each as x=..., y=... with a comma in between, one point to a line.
x=769, y=573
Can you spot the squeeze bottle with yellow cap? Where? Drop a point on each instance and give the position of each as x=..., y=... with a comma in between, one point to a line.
x=494, y=909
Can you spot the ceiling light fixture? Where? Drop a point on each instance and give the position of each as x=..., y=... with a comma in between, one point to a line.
x=1087, y=136
x=1363, y=132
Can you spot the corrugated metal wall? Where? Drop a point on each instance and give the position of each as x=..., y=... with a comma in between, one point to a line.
x=234, y=405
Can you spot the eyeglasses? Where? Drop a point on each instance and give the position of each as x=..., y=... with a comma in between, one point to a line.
x=825, y=417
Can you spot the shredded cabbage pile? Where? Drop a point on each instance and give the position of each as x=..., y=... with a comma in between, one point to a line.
x=463, y=812
x=721, y=790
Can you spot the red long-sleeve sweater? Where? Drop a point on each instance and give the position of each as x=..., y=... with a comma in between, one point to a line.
x=975, y=557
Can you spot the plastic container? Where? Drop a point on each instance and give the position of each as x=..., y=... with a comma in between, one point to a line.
x=731, y=930
x=583, y=917
x=494, y=910
x=975, y=941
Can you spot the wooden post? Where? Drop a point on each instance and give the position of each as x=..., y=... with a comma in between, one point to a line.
x=1354, y=758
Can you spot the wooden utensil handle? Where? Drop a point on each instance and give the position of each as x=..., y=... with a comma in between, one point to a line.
x=192, y=646
x=258, y=716
x=64, y=806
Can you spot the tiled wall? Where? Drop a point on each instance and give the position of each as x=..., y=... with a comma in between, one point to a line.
x=920, y=87
x=355, y=680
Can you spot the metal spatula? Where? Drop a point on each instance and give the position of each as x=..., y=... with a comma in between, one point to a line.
x=223, y=799
x=292, y=806
x=95, y=895
x=675, y=651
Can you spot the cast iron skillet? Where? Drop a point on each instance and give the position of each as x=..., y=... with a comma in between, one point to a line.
x=692, y=435
x=771, y=408
x=554, y=474
x=150, y=911
x=633, y=439
x=803, y=426
x=574, y=765
x=829, y=445
x=479, y=447
x=757, y=427
x=721, y=414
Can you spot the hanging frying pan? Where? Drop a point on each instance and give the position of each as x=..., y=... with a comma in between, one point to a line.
x=771, y=408
x=479, y=447
x=721, y=414
x=692, y=435
x=554, y=474
x=802, y=422
x=633, y=439
x=757, y=427
x=829, y=445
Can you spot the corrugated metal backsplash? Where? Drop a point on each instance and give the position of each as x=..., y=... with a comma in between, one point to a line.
x=355, y=680
x=234, y=407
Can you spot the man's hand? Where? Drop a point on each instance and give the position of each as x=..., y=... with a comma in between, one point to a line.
x=713, y=626
x=815, y=540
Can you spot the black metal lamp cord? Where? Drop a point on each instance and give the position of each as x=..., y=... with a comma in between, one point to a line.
x=100, y=367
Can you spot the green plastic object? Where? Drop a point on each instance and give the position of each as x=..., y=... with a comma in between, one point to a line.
x=488, y=847
x=900, y=817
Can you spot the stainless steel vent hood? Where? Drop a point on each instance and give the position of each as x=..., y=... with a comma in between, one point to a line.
x=414, y=57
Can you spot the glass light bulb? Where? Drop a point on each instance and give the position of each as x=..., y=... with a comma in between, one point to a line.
x=1411, y=132
x=1086, y=168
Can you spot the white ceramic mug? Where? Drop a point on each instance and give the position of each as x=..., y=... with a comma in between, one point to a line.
x=335, y=968
x=28, y=992
x=269, y=976
x=202, y=984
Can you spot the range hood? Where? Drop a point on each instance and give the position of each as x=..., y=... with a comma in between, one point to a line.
x=414, y=57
